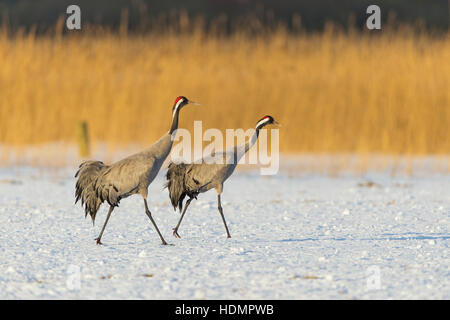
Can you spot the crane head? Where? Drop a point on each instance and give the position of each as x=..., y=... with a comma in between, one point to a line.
x=181, y=101
x=265, y=121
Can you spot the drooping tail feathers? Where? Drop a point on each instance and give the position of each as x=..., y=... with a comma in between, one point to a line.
x=176, y=184
x=85, y=189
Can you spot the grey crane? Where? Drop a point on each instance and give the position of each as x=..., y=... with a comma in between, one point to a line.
x=98, y=182
x=191, y=179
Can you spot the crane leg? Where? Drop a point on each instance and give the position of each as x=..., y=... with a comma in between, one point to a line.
x=111, y=208
x=175, y=233
x=149, y=214
x=221, y=214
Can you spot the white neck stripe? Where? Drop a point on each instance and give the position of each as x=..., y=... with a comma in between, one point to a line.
x=262, y=122
x=177, y=106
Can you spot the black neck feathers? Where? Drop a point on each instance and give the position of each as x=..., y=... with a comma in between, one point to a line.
x=175, y=120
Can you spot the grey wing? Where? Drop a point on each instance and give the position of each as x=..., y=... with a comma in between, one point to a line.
x=123, y=179
x=203, y=177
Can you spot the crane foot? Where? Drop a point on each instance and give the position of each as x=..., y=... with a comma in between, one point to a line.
x=97, y=240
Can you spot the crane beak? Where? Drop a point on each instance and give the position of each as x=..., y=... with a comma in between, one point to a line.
x=276, y=123
x=194, y=103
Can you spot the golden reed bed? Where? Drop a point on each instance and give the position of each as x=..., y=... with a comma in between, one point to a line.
x=385, y=92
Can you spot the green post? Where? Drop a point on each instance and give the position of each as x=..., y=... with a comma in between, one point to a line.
x=82, y=139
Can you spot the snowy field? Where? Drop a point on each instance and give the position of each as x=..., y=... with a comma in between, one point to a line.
x=305, y=236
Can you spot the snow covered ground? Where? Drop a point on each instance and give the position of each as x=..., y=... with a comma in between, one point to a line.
x=294, y=236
